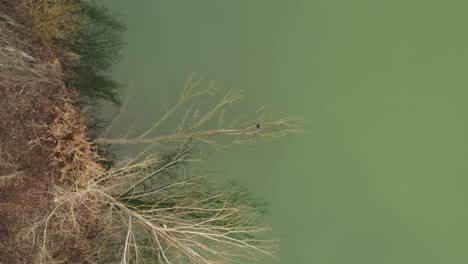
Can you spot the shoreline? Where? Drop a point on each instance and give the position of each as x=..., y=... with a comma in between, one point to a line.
x=45, y=146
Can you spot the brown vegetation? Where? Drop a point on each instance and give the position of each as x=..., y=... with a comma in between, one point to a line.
x=55, y=21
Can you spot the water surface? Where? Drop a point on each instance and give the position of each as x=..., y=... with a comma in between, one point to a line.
x=380, y=176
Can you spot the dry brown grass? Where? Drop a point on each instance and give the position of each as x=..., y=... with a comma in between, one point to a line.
x=70, y=145
x=8, y=168
x=73, y=151
x=16, y=63
x=55, y=21
x=7, y=162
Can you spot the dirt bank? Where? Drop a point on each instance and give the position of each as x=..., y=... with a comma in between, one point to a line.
x=44, y=147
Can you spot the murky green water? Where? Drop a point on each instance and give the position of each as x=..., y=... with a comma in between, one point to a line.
x=381, y=175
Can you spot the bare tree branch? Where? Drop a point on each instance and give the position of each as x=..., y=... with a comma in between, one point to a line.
x=196, y=124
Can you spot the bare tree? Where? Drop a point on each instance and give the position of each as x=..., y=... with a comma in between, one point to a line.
x=197, y=123
x=168, y=210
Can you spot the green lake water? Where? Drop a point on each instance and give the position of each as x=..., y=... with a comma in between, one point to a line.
x=380, y=176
